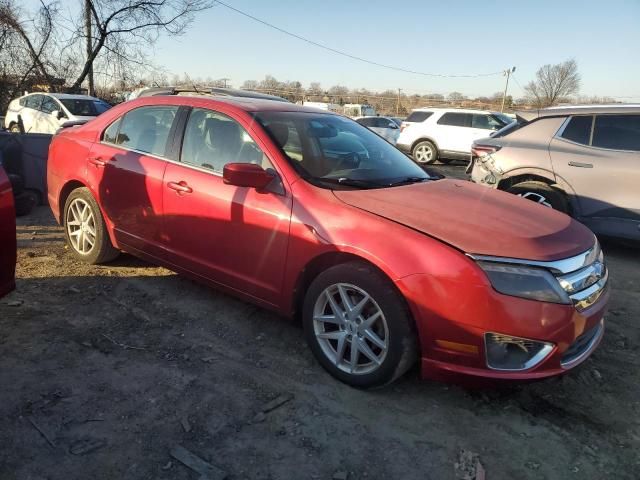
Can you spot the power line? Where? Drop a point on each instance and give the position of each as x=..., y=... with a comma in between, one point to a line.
x=353, y=57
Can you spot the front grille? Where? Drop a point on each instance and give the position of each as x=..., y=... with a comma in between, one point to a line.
x=581, y=345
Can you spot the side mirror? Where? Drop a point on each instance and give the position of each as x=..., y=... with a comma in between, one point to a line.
x=59, y=114
x=246, y=175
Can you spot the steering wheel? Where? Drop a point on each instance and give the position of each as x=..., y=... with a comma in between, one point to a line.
x=348, y=161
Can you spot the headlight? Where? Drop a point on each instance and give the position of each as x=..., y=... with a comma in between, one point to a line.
x=526, y=282
x=504, y=352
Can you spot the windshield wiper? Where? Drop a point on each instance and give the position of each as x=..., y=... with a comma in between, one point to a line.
x=408, y=180
x=352, y=182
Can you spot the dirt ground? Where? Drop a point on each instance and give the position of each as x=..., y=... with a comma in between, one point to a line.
x=104, y=370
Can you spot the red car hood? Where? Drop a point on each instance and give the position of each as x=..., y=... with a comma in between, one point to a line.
x=476, y=219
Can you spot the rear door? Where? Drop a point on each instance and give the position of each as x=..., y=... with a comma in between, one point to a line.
x=126, y=169
x=599, y=157
x=454, y=132
x=235, y=236
x=31, y=113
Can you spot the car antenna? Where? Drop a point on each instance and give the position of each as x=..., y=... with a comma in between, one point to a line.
x=193, y=85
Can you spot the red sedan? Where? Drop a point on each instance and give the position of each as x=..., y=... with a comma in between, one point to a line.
x=7, y=235
x=314, y=216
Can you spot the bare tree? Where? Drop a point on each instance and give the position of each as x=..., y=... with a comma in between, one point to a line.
x=124, y=26
x=554, y=83
x=456, y=97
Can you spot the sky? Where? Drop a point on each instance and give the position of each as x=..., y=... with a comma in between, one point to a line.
x=452, y=37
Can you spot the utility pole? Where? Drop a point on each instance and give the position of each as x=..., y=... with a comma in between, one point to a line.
x=398, y=104
x=507, y=73
x=87, y=30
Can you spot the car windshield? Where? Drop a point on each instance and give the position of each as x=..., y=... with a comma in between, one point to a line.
x=335, y=152
x=506, y=119
x=85, y=107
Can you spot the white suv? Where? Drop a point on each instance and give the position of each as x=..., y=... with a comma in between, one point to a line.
x=47, y=112
x=444, y=134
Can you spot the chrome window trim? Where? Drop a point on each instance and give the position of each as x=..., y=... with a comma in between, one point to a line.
x=566, y=265
x=587, y=351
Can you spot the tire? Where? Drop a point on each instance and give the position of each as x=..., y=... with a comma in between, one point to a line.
x=25, y=202
x=541, y=193
x=390, y=338
x=92, y=244
x=424, y=153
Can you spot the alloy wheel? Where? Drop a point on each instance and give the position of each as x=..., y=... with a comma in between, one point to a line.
x=536, y=197
x=350, y=328
x=81, y=226
x=424, y=154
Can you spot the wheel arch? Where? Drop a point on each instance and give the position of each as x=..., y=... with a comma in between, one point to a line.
x=542, y=176
x=65, y=191
x=321, y=263
x=422, y=139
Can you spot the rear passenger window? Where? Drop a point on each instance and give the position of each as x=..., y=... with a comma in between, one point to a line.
x=455, y=119
x=211, y=140
x=617, y=132
x=110, y=135
x=486, y=122
x=578, y=130
x=367, y=122
x=418, y=116
x=34, y=101
x=146, y=129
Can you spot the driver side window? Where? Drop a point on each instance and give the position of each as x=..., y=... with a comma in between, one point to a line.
x=211, y=140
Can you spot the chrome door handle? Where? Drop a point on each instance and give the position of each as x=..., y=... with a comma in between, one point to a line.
x=180, y=187
x=97, y=161
x=581, y=165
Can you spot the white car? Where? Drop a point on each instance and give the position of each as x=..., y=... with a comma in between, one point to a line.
x=47, y=112
x=386, y=127
x=445, y=134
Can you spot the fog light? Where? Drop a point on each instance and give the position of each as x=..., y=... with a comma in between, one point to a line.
x=514, y=353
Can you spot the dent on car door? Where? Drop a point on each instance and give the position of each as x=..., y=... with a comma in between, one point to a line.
x=599, y=157
x=126, y=170
x=235, y=236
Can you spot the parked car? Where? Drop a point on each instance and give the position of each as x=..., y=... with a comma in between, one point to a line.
x=446, y=134
x=7, y=236
x=584, y=161
x=386, y=127
x=48, y=112
x=314, y=216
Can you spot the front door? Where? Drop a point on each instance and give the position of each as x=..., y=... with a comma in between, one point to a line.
x=599, y=158
x=235, y=236
x=126, y=169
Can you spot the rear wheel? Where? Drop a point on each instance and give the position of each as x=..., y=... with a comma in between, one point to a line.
x=358, y=326
x=541, y=193
x=424, y=152
x=85, y=229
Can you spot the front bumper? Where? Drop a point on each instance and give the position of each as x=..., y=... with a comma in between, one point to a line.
x=452, y=331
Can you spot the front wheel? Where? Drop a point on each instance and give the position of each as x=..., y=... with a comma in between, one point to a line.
x=424, y=153
x=358, y=326
x=541, y=193
x=85, y=229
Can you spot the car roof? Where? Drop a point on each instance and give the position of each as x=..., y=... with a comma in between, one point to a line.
x=451, y=109
x=578, y=110
x=65, y=96
x=243, y=103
